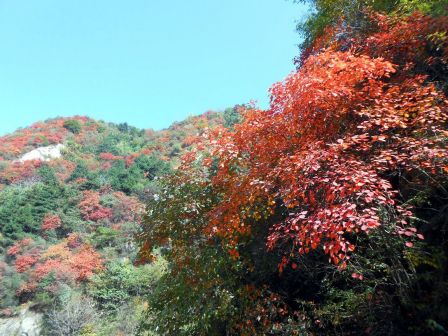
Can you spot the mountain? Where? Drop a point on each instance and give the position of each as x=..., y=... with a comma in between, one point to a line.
x=72, y=195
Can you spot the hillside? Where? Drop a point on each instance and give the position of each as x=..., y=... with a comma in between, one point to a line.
x=72, y=196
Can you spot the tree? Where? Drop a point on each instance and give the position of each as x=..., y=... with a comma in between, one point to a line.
x=47, y=175
x=73, y=126
x=232, y=115
x=25, y=262
x=333, y=178
x=199, y=275
x=70, y=261
x=81, y=173
x=91, y=209
x=71, y=317
x=51, y=222
x=152, y=166
x=114, y=287
x=338, y=22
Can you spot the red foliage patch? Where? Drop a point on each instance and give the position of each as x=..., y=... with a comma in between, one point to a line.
x=91, y=209
x=26, y=261
x=127, y=209
x=109, y=157
x=19, y=246
x=335, y=131
x=69, y=262
x=16, y=172
x=51, y=222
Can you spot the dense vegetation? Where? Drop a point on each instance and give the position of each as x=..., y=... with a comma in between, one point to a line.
x=68, y=223
x=327, y=213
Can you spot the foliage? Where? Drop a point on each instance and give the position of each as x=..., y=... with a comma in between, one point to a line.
x=119, y=282
x=84, y=177
x=51, y=222
x=73, y=126
x=347, y=18
x=321, y=201
x=23, y=208
x=91, y=209
x=232, y=116
x=71, y=317
x=323, y=215
x=70, y=260
x=194, y=283
x=68, y=219
x=10, y=282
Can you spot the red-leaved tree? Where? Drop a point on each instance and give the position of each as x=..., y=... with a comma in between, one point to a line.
x=324, y=156
x=51, y=222
x=91, y=209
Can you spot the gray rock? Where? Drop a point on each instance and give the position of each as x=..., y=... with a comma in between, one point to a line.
x=27, y=323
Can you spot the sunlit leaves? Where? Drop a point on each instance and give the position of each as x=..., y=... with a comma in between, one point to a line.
x=336, y=130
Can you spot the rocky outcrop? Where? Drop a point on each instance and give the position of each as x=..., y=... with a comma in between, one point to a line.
x=27, y=323
x=43, y=153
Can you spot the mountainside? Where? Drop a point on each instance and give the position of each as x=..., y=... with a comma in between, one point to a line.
x=72, y=195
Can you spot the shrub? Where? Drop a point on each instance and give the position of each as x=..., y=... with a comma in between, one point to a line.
x=73, y=126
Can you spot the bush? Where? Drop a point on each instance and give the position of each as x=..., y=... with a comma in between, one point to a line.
x=73, y=126
x=70, y=318
x=114, y=287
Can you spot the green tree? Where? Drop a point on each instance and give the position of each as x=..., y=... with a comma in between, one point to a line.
x=81, y=171
x=152, y=166
x=201, y=279
x=73, y=126
x=232, y=115
x=116, y=285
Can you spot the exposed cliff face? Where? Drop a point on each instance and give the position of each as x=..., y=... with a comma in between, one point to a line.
x=27, y=323
x=43, y=153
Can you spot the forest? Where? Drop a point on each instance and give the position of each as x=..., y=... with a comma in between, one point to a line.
x=325, y=214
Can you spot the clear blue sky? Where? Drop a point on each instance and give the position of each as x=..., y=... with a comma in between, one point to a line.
x=146, y=62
